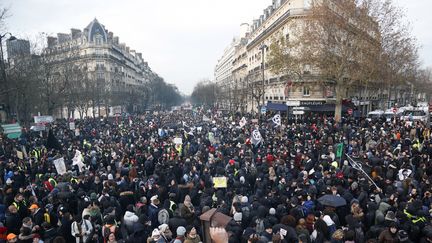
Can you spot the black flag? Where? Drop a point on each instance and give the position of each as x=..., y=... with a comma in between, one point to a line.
x=52, y=142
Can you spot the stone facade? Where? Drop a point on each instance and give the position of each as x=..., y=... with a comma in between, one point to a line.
x=120, y=68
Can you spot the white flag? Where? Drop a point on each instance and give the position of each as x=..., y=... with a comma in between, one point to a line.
x=277, y=120
x=243, y=122
x=78, y=160
x=60, y=166
x=256, y=137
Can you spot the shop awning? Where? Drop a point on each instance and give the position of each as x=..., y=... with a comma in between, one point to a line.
x=276, y=107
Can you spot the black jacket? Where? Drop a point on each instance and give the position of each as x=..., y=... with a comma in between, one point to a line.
x=13, y=223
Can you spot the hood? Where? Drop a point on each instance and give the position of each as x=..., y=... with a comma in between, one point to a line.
x=383, y=207
x=129, y=216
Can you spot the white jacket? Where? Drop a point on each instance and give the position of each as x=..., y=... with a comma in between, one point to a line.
x=86, y=230
x=130, y=218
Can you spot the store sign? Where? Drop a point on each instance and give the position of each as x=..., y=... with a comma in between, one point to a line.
x=312, y=102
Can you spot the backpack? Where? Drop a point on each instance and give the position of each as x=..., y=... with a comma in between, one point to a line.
x=163, y=216
x=246, y=212
x=47, y=217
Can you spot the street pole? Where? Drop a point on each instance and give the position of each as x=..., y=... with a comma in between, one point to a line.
x=262, y=48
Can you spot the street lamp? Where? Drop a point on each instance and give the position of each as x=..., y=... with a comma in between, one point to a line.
x=3, y=66
x=263, y=48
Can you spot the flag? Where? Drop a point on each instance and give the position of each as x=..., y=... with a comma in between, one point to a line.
x=52, y=142
x=78, y=160
x=339, y=150
x=277, y=120
x=242, y=122
x=60, y=166
x=256, y=137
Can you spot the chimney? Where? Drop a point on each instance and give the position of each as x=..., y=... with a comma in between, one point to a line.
x=127, y=49
x=75, y=33
x=110, y=35
x=62, y=37
x=116, y=40
x=139, y=55
x=52, y=41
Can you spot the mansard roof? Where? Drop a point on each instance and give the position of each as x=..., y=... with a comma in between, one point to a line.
x=95, y=28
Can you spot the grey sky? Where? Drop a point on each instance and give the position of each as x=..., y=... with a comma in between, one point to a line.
x=181, y=40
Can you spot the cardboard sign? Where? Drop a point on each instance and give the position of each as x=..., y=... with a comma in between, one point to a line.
x=43, y=119
x=220, y=182
x=72, y=125
x=60, y=166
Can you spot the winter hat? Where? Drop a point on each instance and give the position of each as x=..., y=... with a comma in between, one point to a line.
x=242, y=179
x=181, y=231
x=110, y=177
x=8, y=181
x=163, y=227
x=272, y=211
x=11, y=236
x=390, y=216
x=244, y=199
x=238, y=217
x=154, y=199
x=155, y=233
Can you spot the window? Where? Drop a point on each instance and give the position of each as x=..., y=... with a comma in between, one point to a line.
x=98, y=39
x=306, y=91
x=100, y=75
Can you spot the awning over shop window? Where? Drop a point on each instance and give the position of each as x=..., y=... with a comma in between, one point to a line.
x=276, y=107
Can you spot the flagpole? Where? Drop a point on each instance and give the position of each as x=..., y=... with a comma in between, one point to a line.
x=358, y=167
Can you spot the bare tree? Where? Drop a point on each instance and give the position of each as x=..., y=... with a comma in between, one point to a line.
x=350, y=43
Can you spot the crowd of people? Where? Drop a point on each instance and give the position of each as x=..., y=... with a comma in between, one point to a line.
x=148, y=178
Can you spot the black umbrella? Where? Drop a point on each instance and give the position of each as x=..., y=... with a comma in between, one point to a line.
x=332, y=201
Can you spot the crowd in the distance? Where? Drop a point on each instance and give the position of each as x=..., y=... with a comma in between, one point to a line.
x=136, y=183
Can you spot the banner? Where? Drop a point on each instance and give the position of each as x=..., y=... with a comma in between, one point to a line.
x=277, y=120
x=242, y=122
x=43, y=119
x=339, y=150
x=220, y=182
x=256, y=137
x=60, y=166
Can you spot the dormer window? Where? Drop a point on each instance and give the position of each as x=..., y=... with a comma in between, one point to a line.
x=98, y=39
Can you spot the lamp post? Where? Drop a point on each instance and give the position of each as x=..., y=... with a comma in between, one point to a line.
x=263, y=48
x=3, y=67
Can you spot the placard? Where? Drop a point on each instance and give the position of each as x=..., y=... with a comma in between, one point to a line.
x=220, y=182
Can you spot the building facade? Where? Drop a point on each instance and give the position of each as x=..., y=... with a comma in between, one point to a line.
x=17, y=48
x=121, y=71
x=256, y=86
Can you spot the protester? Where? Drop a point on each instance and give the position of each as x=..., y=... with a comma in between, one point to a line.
x=151, y=180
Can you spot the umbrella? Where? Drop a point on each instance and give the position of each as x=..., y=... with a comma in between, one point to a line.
x=332, y=201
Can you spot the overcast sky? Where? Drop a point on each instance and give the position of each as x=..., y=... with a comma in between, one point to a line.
x=181, y=40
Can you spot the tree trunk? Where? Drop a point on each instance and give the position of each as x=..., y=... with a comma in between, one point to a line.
x=340, y=94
